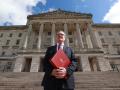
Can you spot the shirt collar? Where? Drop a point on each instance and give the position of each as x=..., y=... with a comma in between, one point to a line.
x=62, y=44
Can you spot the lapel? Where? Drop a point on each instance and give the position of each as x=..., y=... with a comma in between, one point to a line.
x=52, y=51
x=55, y=48
x=65, y=49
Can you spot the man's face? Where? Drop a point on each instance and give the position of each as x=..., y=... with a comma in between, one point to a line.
x=60, y=38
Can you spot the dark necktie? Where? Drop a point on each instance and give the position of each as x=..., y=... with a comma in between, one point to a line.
x=59, y=46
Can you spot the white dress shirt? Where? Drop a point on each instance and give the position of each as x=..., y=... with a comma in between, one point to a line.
x=61, y=46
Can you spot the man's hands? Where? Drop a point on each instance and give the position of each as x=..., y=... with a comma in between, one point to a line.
x=59, y=73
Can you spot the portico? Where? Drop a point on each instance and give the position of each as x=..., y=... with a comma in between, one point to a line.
x=41, y=34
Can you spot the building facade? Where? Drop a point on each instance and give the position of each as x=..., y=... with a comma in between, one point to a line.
x=96, y=46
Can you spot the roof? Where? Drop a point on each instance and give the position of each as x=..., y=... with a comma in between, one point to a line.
x=60, y=14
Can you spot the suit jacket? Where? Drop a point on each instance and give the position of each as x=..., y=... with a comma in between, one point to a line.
x=49, y=80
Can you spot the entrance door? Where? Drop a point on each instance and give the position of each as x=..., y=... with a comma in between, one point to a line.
x=27, y=65
x=93, y=63
x=41, y=65
x=79, y=68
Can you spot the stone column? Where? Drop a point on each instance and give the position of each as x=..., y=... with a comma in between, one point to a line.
x=85, y=63
x=35, y=64
x=76, y=45
x=75, y=41
x=98, y=40
x=88, y=40
x=40, y=36
x=103, y=64
x=93, y=38
x=19, y=64
x=53, y=34
x=27, y=36
x=79, y=36
x=66, y=32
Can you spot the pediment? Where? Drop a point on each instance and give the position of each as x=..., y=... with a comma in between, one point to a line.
x=60, y=14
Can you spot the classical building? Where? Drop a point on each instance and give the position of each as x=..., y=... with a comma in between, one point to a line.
x=96, y=46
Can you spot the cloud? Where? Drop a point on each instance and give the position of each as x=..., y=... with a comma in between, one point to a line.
x=49, y=10
x=113, y=15
x=16, y=11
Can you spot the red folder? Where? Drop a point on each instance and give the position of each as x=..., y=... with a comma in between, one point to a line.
x=60, y=59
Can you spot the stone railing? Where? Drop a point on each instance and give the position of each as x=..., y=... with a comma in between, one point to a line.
x=29, y=51
x=89, y=50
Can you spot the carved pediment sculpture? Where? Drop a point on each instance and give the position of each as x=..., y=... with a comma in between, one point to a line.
x=60, y=14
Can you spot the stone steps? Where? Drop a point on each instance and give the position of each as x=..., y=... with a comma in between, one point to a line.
x=83, y=81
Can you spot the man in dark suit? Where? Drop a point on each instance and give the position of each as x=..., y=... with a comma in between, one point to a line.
x=61, y=78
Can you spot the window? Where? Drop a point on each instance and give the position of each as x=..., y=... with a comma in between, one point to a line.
x=106, y=50
x=49, y=33
x=100, y=33
x=113, y=40
x=36, y=41
x=8, y=66
x=5, y=47
x=9, y=63
x=119, y=32
x=70, y=40
x=69, y=33
x=8, y=42
x=18, y=42
x=20, y=34
x=102, y=40
x=10, y=35
x=109, y=33
x=3, y=53
x=1, y=35
x=48, y=39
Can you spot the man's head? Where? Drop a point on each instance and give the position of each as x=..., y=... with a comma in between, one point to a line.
x=60, y=37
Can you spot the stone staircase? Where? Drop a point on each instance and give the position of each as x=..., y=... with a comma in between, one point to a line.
x=83, y=80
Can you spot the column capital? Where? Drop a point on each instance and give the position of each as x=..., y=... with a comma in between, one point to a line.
x=41, y=23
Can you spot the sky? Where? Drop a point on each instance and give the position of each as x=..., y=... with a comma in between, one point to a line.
x=15, y=12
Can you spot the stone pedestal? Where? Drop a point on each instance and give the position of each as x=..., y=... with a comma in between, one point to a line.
x=85, y=63
x=35, y=64
x=103, y=64
x=19, y=64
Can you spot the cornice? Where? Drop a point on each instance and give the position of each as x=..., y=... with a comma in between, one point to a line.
x=106, y=25
x=16, y=27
